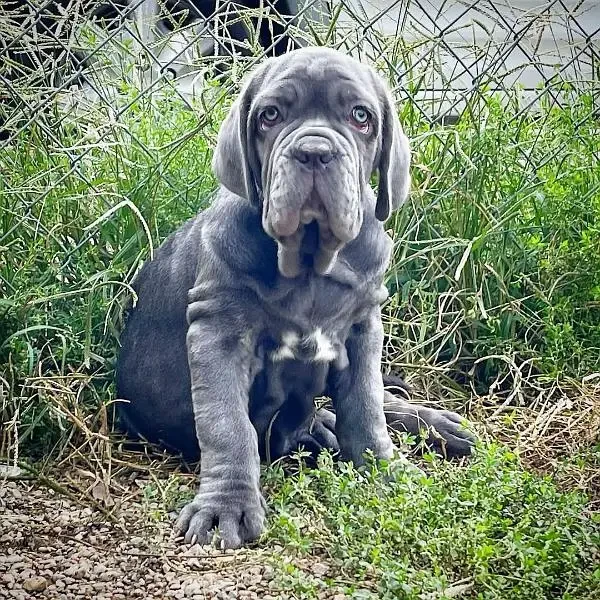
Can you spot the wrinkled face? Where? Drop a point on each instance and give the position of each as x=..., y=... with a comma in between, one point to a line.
x=316, y=132
x=312, y=126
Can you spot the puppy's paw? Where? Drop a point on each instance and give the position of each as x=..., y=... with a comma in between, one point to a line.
x=238, y=515
x=319, y=435
x=447, y=432
x=316, y=435
x=322, y=430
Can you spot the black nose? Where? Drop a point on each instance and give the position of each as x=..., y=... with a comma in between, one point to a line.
x=313, y=150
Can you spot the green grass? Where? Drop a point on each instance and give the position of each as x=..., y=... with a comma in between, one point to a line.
x=503, y=228
x=485, y=530
x=72, y=239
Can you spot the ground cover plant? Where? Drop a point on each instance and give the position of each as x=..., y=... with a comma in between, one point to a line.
x=487, y=529
x=494, y=311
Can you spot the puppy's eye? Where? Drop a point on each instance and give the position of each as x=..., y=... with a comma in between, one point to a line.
x=269, y=116
x=361, y=117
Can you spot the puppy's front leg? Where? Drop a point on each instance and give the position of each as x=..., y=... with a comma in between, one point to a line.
x=357, y=393
x=229, y=495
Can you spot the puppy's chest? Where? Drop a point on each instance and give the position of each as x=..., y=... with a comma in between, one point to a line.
x=311, y=321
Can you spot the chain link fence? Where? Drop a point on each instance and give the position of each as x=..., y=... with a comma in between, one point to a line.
x=61, y=58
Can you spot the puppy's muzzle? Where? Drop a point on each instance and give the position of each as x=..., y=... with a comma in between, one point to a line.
x=312, y=156
x=314, y=177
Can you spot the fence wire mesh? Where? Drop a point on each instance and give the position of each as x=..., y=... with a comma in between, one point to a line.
x=67, y=59
x=88, y=60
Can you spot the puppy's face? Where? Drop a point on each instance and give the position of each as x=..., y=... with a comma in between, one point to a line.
x=311, y=127
x=316, y=127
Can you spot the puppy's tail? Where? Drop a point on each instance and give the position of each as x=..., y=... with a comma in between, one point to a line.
x=396, y=386
x=400, y=414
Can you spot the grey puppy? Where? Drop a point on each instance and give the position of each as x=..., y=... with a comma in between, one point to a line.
x=272, y=296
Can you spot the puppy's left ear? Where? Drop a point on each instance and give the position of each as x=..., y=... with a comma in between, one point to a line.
x=394, y=159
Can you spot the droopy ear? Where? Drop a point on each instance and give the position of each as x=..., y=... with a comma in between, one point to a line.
x=394, y=159
x=235, y=161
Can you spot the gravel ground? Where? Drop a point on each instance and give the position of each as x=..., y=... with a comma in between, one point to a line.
x=52, y=546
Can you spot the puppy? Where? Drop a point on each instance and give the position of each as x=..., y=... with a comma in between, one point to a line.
x=272, y=296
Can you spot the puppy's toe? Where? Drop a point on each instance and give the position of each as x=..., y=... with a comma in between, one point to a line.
x=326, y=418
x=323, y=431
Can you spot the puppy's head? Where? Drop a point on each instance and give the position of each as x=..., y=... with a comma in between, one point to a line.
x=302, y=141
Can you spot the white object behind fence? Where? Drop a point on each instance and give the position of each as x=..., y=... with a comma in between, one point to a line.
x=459, y=46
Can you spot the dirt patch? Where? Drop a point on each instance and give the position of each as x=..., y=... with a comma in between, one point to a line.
x=54, y=547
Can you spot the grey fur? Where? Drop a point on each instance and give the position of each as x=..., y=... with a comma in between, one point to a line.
x=272, y=296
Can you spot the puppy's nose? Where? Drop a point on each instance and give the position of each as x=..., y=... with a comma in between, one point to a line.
x=313, y=150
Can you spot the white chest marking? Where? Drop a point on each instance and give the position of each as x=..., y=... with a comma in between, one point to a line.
x=289, y=342
x=315, y=347
x=325, y=350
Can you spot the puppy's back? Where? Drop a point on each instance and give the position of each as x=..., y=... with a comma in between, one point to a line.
x=152, y=374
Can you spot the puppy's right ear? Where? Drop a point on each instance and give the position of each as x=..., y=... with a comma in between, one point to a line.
x=235, y=161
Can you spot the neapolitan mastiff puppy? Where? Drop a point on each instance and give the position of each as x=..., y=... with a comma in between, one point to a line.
x=272, y=296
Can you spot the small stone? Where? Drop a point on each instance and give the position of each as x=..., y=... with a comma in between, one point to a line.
x=110, y=575
x=77, y=571
x=10, y=559
x=26, y=574
x=320, y=569
x=35, y=584
x=193, y=588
